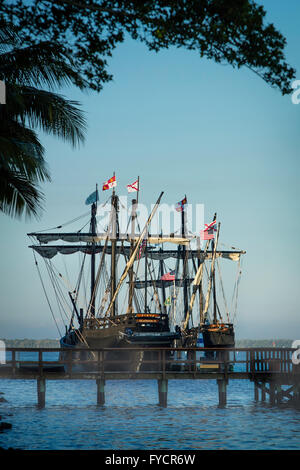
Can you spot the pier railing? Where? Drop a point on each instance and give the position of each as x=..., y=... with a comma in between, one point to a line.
x=256, y=361
x=271, y=370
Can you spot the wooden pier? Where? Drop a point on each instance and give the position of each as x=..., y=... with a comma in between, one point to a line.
x=273, y=371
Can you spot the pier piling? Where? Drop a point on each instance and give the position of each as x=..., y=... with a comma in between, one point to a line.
x=263, y=392
x=100, y=392
x=41, y=392
x=162, y=392
x=256, y=391
x=272, y=393
x=222, y=388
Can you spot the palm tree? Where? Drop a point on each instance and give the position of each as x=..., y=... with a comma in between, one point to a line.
x=26, y=72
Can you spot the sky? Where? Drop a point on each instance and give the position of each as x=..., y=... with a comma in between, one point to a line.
x=185, y=125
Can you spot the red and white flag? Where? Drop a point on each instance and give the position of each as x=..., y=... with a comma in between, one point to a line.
x=131, y=188
x=170, y=276
x=209, y=232
x=111, y=183
x=180, y=205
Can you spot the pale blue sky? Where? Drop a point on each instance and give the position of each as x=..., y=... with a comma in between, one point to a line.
x=185, y=126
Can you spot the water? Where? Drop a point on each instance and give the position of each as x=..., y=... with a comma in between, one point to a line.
x=131, y=418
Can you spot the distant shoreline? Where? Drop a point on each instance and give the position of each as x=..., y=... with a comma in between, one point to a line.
x=54, y=343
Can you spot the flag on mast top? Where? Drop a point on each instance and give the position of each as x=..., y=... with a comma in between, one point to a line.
x=208, y=232
x=111, y=183
x=180, y=205
x=131, y=188
x=94, y=197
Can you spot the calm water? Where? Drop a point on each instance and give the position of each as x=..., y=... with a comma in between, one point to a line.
x=131, y=418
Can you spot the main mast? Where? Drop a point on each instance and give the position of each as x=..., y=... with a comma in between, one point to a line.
x=184, y=261
x=214, y=281
x=114, y=236
x=93, y=230
x=134, y=203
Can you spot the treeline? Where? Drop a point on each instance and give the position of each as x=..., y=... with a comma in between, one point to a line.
x=240, y=343
x=31, y=343
x=263, y=343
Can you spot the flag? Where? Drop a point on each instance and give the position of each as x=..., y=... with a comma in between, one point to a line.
x=180, y=205
x=208, y=232
x=168, y=301
x=142, y=246
x=168, y=276
x=92, y=198
x=131, y=188
x=111, y=183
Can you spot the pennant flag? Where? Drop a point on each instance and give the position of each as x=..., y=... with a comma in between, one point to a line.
x=142, y=246
x=92, y=198
x=208, y=232
x=168, y=276
x=131, y=188
x=168, y=301
x=111, y=183
x=180, y=205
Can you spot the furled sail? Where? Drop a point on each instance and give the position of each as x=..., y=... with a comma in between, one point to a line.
x=88, y=238
x=49, y=251
x=160, y=284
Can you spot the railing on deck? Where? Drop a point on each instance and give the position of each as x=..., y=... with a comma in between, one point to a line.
x=178, y=360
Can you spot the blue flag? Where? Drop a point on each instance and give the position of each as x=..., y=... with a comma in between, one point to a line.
x=92, y=198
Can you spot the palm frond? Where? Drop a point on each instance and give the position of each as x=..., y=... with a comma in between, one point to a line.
x=50, y=112
x=40, y=65
x=19, y=195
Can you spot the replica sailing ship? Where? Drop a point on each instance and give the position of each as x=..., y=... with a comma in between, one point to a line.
x=149, y=317
x=101, y=326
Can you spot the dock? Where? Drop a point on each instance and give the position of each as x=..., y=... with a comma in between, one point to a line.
x=273, y=371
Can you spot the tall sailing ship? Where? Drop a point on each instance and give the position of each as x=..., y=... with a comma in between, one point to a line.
x=152, y=304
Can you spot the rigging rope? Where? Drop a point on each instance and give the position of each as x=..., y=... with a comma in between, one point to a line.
x=67, y=223
x=223, y=292
x=38, y=270
x=236, y=289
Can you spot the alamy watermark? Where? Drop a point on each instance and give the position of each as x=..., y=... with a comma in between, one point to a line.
x=2, y=353
x=167, y=219
x=2, y=93
x=296, y=94
x=296, y=354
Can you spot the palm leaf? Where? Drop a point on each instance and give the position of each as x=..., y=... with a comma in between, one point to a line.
x=39, y=65
x=48, y=111
x=18, y=194
x=25, y=70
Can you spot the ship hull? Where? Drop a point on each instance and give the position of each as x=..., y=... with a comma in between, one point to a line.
x=119, y=337
x=218, y=337
x=125, y=360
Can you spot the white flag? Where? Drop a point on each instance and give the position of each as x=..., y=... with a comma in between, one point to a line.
x=131, y=188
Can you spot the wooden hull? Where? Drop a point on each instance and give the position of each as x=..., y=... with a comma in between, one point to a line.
x=120, y=336
x=222, y=337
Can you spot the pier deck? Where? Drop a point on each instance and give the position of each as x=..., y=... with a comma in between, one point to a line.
x=270, y=369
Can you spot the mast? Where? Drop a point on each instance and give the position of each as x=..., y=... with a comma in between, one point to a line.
x=184, y=272
x=161, y=268
x=214, y=282
x=114, y=236
x=133, y=255
x=93, y=255
x=196, y=283
x=131, y=277
x=134, y=203
x=146, y=278
x=214, y=290
x=211, y=276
